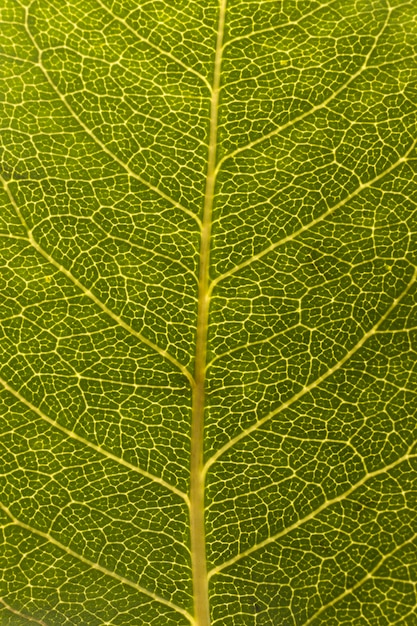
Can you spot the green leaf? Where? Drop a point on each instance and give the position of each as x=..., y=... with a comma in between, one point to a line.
x=208, y=314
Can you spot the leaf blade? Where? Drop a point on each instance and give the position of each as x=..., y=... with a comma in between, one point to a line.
x=262, y=418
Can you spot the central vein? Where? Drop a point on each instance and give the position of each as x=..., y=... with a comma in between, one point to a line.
x=198, y=539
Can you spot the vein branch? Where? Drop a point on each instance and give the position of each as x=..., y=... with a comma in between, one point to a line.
x=326, y=504
x=313, y=109
x=122, y=579
x=314, y=222
x=359, y=583
x=165, y=53
x=315, y=383
x=273, y=29
x=87, y=292
x=20, y=614
x=100, y=143
x=108, y=455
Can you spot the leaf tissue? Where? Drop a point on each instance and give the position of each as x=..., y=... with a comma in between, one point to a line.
x=208, y=313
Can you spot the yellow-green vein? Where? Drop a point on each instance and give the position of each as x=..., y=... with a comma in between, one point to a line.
x=197, y=518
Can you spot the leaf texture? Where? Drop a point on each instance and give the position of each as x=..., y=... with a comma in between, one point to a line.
x=208, y=317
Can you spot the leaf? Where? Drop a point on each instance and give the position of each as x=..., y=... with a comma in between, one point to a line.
x=208, y=315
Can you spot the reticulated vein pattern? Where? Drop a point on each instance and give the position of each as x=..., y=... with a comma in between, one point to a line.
x=208, y=314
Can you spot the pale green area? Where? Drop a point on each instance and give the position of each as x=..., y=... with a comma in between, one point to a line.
x=310, y=406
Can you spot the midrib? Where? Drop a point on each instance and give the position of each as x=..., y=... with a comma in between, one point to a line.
x=198, y=539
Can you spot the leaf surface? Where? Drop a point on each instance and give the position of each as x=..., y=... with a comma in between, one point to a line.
x=208, y=315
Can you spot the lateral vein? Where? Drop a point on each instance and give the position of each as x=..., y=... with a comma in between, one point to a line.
x=311, y=515
x=154, y=46
x=315, y=383
x=313, y=109
x=369, y=575
x=317, y=220
x=106, y=453
x=48, y=537
x=98, y=141
x=274, y=29
x=87, y=292
x=20, y=614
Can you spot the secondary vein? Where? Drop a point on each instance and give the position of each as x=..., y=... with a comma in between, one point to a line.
x=87, y=292
x=304, y=390
x=122, y=579
x=98, y=141
x=165, y=53
x=107, y=454
x=313, y=109
x=309, y=225
x=20, y=614
x=322, y=507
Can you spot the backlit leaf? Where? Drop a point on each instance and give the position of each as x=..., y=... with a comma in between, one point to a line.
x=208, y=315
